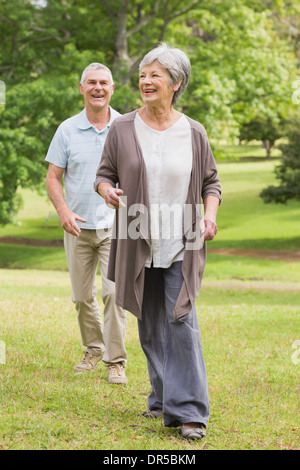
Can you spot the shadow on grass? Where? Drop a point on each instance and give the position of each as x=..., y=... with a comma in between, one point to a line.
x=31, y=257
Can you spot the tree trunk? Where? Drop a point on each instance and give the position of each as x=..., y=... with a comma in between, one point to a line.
x=121, y=58
x=267, y=144
x=124, y=65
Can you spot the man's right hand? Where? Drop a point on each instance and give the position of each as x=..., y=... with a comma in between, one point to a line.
x=68, y=221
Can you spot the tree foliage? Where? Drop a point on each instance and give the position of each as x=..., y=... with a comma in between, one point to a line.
x=263, y=128
x=288, y=171
x=242, y=64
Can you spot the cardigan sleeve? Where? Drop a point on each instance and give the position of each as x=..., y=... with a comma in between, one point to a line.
x=211, y=183
x=107, y=171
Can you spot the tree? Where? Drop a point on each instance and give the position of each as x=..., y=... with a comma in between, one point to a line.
x=288, y=171
x=139, y=25
x=28, y=121
x=262, y=128
x=240, y=65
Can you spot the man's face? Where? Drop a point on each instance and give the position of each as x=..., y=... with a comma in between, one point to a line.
x=97, y=89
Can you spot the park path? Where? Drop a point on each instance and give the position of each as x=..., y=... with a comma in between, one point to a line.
x=279, y=255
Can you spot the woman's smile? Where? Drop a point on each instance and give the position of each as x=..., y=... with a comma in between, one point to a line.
x=155, y=83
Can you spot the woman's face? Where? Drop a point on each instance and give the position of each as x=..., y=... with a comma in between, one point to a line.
x=155, y=85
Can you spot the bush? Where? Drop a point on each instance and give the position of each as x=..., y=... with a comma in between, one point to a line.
x=288, y=172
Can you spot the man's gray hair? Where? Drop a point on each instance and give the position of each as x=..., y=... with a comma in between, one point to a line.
x=175, y=61
x=95, y=66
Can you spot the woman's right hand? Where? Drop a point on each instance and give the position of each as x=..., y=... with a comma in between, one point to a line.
x=111, y=195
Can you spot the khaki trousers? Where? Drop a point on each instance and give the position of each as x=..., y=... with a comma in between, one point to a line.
x=83, y=255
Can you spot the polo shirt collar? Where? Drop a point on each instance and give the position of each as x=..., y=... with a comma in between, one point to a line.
x=84, y=123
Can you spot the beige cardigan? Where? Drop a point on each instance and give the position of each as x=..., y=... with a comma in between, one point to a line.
x=122, y=163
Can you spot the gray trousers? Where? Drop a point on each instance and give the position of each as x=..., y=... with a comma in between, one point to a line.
x=83, y=256
x=173, y=351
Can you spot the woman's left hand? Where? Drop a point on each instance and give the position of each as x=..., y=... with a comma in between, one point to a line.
x=210, y=228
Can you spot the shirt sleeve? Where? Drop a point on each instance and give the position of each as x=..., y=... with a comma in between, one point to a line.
x=57, y=152
x=211, y=182
x=107, y=171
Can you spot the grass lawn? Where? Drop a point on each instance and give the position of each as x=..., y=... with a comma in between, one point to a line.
x=244, y=220
x=251, y=152
x=247, y=334
x=37, y=219
x=248, y=311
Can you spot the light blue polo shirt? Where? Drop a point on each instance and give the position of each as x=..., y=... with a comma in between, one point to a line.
x=77, y=146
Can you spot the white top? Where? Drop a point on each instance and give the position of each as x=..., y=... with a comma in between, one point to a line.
x=168, y=159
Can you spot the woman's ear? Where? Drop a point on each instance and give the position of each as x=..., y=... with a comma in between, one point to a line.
x=177, y=86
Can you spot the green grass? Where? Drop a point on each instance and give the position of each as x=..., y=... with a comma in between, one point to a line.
x=248, y=311
x=247, y=337
x=244, y=220
x=31, y=257
x=220, y=267
x=37, y=219
x=252, y=151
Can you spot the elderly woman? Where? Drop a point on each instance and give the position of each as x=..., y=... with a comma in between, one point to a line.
x=159, y=162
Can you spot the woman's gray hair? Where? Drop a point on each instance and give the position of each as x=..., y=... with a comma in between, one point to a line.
x=95, y=66
x=175, y=61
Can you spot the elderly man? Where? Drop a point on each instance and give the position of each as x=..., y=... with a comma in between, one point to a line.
x=75, y=151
